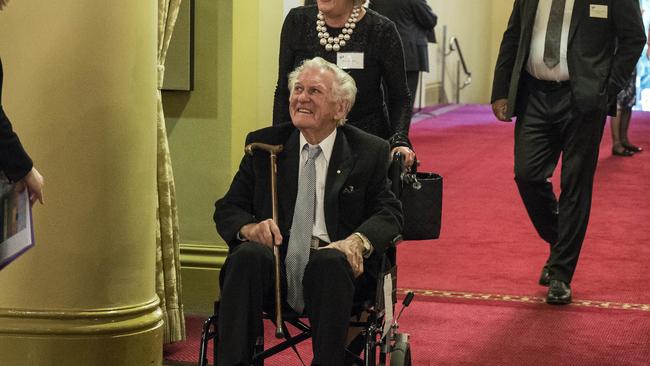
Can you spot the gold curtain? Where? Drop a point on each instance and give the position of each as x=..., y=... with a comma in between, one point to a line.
x=168, y=265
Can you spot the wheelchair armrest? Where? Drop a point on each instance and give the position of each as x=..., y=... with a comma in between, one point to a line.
x=395, y=241
x=395, y=171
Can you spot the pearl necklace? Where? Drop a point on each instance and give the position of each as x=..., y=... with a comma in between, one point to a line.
x=335, y=43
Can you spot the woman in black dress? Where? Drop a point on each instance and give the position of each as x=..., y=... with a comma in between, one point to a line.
x=368, y=47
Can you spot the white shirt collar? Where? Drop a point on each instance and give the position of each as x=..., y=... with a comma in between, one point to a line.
x=326, y=146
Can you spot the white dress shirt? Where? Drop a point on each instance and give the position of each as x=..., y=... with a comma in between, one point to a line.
x=322, y=162
x=536, y=66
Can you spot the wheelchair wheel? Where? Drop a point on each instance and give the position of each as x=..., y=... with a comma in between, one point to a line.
x=401, y=354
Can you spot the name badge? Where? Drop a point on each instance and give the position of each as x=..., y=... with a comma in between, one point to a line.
x=598, y=11
x=350, y=60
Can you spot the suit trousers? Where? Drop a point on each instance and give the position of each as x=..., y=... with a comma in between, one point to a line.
x=247, y=285
x=550, y=126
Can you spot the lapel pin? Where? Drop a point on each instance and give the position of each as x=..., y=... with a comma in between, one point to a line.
x=338, y=172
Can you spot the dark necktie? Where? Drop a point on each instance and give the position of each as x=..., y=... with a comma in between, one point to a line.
x=553, y=34
x=301, y=230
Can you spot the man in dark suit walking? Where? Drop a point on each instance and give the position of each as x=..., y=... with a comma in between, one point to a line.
x=336, y=215
x=560, y=66
x=415, y=21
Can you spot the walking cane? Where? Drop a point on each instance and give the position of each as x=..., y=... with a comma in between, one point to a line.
x=273, y=150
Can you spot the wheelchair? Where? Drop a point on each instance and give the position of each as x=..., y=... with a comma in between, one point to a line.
x=382, y=343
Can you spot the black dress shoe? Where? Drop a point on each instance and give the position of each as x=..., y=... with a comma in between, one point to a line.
x=545, y=277
x=559, y=293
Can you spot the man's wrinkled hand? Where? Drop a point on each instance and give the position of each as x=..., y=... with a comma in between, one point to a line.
x=500, y=109
x=352, y=247
x=265, y=232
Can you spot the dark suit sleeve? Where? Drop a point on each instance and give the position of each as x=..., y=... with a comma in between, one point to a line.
x=285, y=66
x=383, y=210
x=507, y=55
x=631, y=38
x=235, y=209
x=423, y=15
x=397, y=93
x=14, y=161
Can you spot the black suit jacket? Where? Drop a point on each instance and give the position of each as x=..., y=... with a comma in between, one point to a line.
x=415, y=22
x=357, y=196
x=14, y=161
x=601, y=52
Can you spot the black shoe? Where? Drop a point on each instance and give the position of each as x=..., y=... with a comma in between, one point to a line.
x=621, y=151
x=632, y=148
x=545, y=277
x=559, y=293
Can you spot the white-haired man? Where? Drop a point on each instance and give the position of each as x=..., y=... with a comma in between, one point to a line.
x=336, y=214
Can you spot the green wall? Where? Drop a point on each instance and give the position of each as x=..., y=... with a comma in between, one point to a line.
x=479, y=26
x=235, y=69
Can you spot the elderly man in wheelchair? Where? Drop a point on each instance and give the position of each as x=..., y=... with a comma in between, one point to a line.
x=335, y=218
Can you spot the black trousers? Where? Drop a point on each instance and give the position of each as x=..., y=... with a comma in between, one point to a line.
x=247, y=285
x=549, y=126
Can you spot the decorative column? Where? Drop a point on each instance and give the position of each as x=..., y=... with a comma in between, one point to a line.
x=80, y=89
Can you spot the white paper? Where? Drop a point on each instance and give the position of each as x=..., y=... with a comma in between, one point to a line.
x=350, y=60
x=15, y=223
x=388, y=303
x=598, y=11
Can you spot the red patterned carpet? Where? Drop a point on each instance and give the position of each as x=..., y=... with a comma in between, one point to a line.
x=477, y=299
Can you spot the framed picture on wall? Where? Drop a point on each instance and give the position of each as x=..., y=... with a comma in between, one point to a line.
x=179, y=64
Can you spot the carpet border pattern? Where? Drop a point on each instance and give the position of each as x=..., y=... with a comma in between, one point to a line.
x=460, y=295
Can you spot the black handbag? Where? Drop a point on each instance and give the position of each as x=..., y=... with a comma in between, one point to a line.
x=421, y=196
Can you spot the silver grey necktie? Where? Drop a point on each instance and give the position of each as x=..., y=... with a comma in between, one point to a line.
x=554, y=34
x=301, y=230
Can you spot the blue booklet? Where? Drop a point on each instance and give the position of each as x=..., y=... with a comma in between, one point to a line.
x=16, y=225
